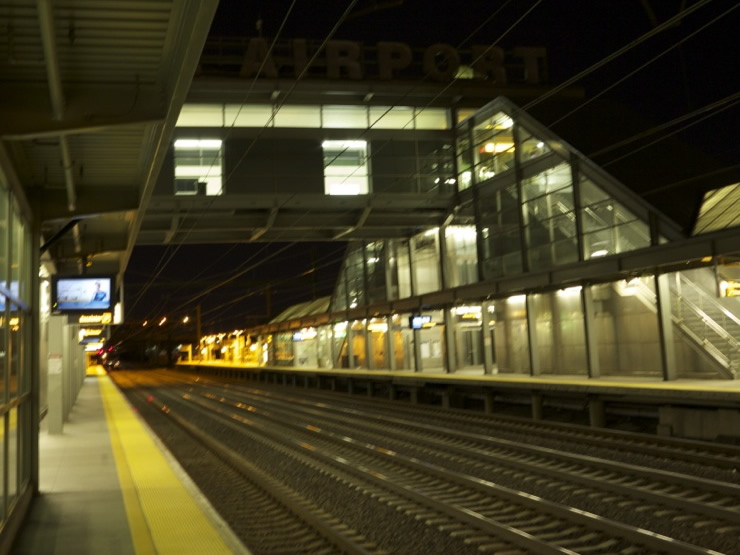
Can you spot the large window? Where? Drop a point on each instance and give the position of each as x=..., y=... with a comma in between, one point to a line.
x=315, y=117
x=549, y=218
x=608, y=227
x=198, y=167
x=345, y=168
x=493, y=146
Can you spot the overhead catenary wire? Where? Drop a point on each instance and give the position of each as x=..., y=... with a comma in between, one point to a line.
x=279, y=106
x=616, y=54
x=675, y=45
x=163, y=263
x=329, y=36
x=683, y=14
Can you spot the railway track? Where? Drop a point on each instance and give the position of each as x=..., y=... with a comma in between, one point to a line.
x=666, y=448
x=279, y=519
x=446, y=478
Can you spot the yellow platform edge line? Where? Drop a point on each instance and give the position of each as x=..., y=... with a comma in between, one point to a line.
x=140, y=536
x=164, y=517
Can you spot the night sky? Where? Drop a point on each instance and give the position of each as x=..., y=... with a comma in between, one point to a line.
x=576, y=34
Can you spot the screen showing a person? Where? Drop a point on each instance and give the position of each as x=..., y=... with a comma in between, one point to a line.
x=83, y=294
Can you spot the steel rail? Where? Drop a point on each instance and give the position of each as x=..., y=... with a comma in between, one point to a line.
x=681, y=499
x=341, y=537
x=473, y=485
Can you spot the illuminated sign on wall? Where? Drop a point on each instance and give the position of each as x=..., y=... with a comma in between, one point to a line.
x=103, y=318
x=419, y=321
x=343, y=59
x=90, y=335
x=729, y=288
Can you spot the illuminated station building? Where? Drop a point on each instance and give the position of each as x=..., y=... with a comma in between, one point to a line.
x=479, y=241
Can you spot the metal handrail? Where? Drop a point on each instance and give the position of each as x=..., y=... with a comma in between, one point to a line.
x=719, y=330
x=711, y=300
x=713, y=350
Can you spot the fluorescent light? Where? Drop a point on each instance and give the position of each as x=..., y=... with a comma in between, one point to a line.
x=600, y=252
x=344, y=144
x=497, y=147
x=210, y=144
x=570, y=291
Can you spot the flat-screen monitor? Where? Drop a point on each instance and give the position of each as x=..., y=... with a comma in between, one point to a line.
x=418, y=321
x=82, y=293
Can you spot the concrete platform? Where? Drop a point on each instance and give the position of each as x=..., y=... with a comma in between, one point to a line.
x=108, y=486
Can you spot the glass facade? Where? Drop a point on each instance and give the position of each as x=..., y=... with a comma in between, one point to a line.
x=325, y=116
x=198, y=167
x=538, y=208
x=15, y=361
x=345, y=168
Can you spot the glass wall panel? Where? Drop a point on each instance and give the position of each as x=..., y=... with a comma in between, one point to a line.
x=3, y=443
x=15, y=354
x=26, y=436
x=464, y=113
x=374, y=258
x=464, y=161
x=283, y=348
x=26, y=280
x=306, y=348
x=608, y=227
x=12, y=455
x=501, y=233
x=468, y=337
x=339, y=299
x=358, y=344
x=403, y=341
x=626, y=328
x=345, y=168
x=426, y=261
x=530, y=147
x=403, y=263
x=355, y=272
x=462, y=256
x=549, y=218
x=377, y=329
x=339, y=337
x=4, y=223
x=436, y=167
x=17, y=254
x=560, y=332
x=4, y=347
x=314, y=117
x=706, y=328
x=344, y=117
x=392, y=117
x=493, y=146
x=198, y=166
x=432, y=343
x=432, y=118
x=298, y=116
x=510, y=336
x=237, y=115
x=324, y=347
x=201, y=115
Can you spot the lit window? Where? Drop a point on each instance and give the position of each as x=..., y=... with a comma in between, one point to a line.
x=345, y=168
x=198, y=167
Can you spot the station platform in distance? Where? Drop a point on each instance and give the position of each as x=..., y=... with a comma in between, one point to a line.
x=106, y=485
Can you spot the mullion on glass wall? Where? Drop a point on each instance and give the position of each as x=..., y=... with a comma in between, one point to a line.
x=520, y=213
x=665, y=327
x=576, y=180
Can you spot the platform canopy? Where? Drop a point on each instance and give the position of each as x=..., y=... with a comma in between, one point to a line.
x=90, y=92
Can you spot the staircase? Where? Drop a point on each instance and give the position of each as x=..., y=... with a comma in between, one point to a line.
x=708, y=321
x=701, y=317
